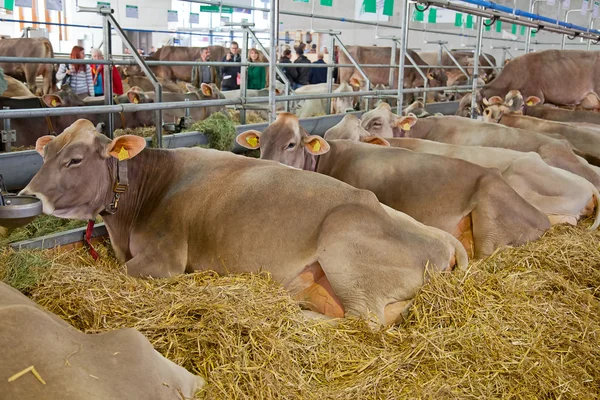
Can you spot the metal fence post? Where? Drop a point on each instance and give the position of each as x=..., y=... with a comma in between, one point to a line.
x=244, y=76
x=403, y=46
x=476, y=67
x=274, y=42
x=108, y=81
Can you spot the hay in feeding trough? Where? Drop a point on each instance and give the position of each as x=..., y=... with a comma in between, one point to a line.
x=41, y=226
x=143, y=131
x=252, y=117
x=524, y=323
x=219, y=130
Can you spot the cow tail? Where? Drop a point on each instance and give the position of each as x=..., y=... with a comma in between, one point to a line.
x=596, y=223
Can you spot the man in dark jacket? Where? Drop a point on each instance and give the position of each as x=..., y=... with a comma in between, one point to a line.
x=230, y=74
x=286, y=58
x=300, y=75
x=318, y=75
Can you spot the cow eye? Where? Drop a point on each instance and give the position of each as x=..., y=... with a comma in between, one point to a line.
x=377, y=124
x=74, y=161
x=291, y=146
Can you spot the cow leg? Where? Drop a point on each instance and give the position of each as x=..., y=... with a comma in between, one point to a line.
x=30, y=75
x=161, y=259
x=464, y=233
x=591, y=102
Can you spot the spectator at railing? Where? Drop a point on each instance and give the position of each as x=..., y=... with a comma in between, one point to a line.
x=318, y=75
x=98, y=75
x=77, y=76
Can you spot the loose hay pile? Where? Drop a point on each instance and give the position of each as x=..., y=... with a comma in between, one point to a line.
x=143, y=131
x=219, y=130
x=252, y=117
x=523, y=324
x=41, y=226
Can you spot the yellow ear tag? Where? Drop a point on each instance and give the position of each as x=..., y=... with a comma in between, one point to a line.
x=135, y=100
x=530, y=103
x=53, y=103
x=252, y=141
x=406, y=126
x=317, y=146
x=123, y=154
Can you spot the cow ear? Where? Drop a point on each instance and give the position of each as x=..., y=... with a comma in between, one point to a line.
x=125, y=147
x=190, y=88
x=134, y=96
x=533, y=100
x=354, y=82
x=429, y=75
x=378, y=140
x=206, y=90
x=495, y=100
x=52, y=100
x=42, y=142
x=249, y=139
x=315, y=145
x=405, y=123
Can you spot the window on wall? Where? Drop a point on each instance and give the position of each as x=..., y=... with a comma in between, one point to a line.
x=197, y=34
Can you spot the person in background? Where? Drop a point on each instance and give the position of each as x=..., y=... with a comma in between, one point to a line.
x=231, y=74
x=300, y=75
x=318, y=75
x=204, y=73
x=81, y=82
x=286, y=58
x=98, y=75
x=152, y=50
x=257, y=76
x=313, y=49
x=141, y=51
x=325, y=51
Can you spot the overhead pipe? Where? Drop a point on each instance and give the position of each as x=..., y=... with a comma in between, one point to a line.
x=526, y=14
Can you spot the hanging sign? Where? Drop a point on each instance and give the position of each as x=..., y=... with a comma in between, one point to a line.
x=7, y=4
x=194, y=18
x=172, y=16
x=131, y=11
x=566, y=4
x=584, y=7
x=56, y=5
x=101, y=4
x=596, y=9
x=23, y=3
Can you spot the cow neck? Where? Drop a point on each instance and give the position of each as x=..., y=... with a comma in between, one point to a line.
x=311, y=162
x=421, y=129
x=149, y=174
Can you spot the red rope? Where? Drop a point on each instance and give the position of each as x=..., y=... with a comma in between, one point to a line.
x=88, y=236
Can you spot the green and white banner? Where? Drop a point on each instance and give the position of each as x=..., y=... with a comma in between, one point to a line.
x=8, y=4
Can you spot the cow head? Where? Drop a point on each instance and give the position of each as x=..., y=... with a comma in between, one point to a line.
x=350, y=128
x=464, y=107
x=285, y=141
x=343, y=104
x=76, y=178
x=384, y=123
x=513, y=103
x=63, y=98
x=436, y=77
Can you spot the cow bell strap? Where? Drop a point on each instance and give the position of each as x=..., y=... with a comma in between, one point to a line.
x=121, y=113
x=121, y=185
x=48, y=120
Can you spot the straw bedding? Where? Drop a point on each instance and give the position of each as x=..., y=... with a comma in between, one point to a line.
x=524, y=323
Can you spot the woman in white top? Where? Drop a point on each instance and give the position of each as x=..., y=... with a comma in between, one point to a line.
x=81, y=82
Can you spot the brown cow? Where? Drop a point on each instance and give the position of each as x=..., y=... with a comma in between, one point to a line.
x=465, y=59
x=176, y=53
x=146, y=85
x=16, y=89
x=585, y=141
x=120, y=364
x=335, y=247
x=564, y=197
x=560, y=77
x=29, y=47
x=465, y=131
x=470, y=202
x=436, y=77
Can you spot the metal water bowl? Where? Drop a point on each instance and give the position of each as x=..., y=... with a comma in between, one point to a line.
x=19, y=210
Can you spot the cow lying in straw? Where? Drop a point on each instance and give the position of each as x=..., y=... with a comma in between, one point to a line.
x=471, y=202
x=336, y=248
x=43, y=357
